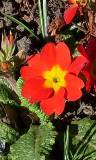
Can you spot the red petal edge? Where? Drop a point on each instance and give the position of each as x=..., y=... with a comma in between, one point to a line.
x=55, y=104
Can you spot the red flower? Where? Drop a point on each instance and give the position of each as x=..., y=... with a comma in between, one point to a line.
x=51, y=78
x=90, y=69
x=71, y=11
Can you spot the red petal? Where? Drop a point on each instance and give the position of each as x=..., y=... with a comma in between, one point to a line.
x=34, y=68
x=28, y=72
x=33, y=60
x=55, y=104
x=95, y=86
x=63, y=57
x=91, y=48
x=74, y=85
x=34, y=91
x=48, y=56
x=70, y=13
x=89, y=80
x=78, y=64
x=82, y=50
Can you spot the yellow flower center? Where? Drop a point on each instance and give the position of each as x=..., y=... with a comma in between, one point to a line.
x=55, y=78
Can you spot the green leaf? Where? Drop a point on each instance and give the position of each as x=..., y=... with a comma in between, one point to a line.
x=83, y=134
x=35, y=144
x=6, y=94
x=9, y=81
x=3, y=157
x=21, y=24
x=66, y=143
x=41, y=18
x=42, y=5
x=1, y=56
x=45, y=17
x=8, y=134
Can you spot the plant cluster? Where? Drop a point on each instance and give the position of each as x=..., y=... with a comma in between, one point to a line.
x=36, y=90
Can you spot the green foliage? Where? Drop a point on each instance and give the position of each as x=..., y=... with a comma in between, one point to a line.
x=7, y=47
x=83, y=135
x=35, y=144
x=3, y=157
x=22, y=25
x=6, y=94
x=43, y=17
x=66, y=143
x=8, y=134
x=8, y=82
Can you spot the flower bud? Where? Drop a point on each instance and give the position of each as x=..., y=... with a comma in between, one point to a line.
x=7, y=47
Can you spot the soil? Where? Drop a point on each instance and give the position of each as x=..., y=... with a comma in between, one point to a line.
x=27, y=11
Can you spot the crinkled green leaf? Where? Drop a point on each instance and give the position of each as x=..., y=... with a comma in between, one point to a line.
x=7, y=133
x=6, y=94
x=35, y=144
x=3, y=157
